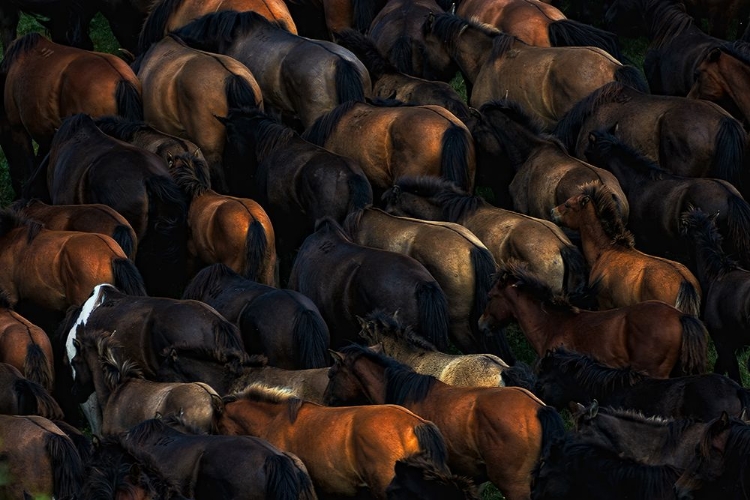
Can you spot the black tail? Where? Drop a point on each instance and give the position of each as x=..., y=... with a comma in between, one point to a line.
x=282, y=481
x=312, y=338
x=364, y=13
x=432, y=444
x=567, y=32
x=694, y=351
x=553, y=427
x=576, y=270
x=360, y=191
x=81, y=442
x=519, y=375
x=400, y=55
x=67, y=467
x=688, y=299
x=458, y=157
x=496, y=342
x=484, y=266
x=37, y=368
x=127, y=278
x=738, y=223
x=256, y=253
x=227, y=336
x=129, y=102
x=125, y=237
x=433, y=313
x=632, y=77
x=34, y=400
x=240, y=94
x=155, y=26
x=729, y=153
x=208, y=280
x=349, y=83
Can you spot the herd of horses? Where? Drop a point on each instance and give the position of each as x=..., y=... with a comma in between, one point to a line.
x=249, y=256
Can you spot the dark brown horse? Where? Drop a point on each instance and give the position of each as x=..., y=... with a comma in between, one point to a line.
x=506, y=234
x=545, y=81
x=321, y=19
x=401, y=141
x=21, y=396
x=458, y=261
x=416, y=477
x=284, y=325
x=169, y=15
x=652, y=337
x=344, y=449
x=170, y=90
x=522, y=426
x=621, y=275
x=684, y=136
x=44, y=82
x=90, y=218
x=299, y=77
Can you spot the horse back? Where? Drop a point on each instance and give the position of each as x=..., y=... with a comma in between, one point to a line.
x=527, y=20
x=189, y=10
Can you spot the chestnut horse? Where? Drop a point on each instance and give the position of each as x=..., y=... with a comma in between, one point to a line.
x=620, y=274
x=168, y=15
x=401, y=141
x=43, y=82
x=652, y=337
x=343, y=449
x=521, y=425
x=21, y=396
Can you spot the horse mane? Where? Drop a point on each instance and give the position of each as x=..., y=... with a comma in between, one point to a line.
x=737, y=450
x=156, y=23
x=192, y=178
x=119, y=127
x=514, y=111
x=221, y=29
x=366, y=51
x=449, y=27
x=608, y=213
x=18, y=48
x=591, y=374
x=330, y=224
x=261, y=393
x=451, y=485
x=72, y=125
x=11, y=219
x=517, y=272
x=739, y=49
x=319, y=132
x=606, y=143
x=116, y=368
x=402, y=384
x=210, y=281
x=145, y=429
x=674, y=427
x=501, y=44
x=389, y=323
x=270, y=135
x=701, y=227
x=455, y=202
x=5, y=300
x=668, y=20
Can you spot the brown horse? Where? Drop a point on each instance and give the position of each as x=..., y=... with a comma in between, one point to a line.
x=344, y=449
x=224, y=229
x=545, y=81
x=90, y=218
x=537, y=23
x=38, y=459
x=482, y=426
x=21, y=396
x=402, y=141
x=58, y=269
x=44, y=82
x=25, y=346
x=652, y=337
x=170, y=90
x=168, y=15
x=621, y=275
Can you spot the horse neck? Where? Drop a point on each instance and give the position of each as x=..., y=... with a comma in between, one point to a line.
x=100, y=386
x=593, y=238
x=535, y=320
x=249, y=417
x=470, y=52
x=371, y=378
x=400, y=350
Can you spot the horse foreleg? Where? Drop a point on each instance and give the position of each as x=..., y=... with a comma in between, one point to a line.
x=726, y=362
x=16, y=144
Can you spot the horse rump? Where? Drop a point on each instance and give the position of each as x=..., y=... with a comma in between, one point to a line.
x=432, y=444
x=125, y=237
x=36, y=367
x=456, y=156
x=34, y=400
x=284, y=479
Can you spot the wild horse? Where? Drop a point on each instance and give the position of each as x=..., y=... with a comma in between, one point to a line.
x=21, y=396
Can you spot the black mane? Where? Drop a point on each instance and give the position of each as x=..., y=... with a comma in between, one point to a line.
x=608, y=213
x=367, y=52
x=210, y=282
x=514, y=111
x=10, y=220
x=216, y=32
x=596, y=378
x=191, y=177
x=607, y=145
x=455, y=202
x=119, y=127
x=324, y=126
x=515, y=272
x=449, y=27
x=18, y=48
x=700, y=227
x=668, y=20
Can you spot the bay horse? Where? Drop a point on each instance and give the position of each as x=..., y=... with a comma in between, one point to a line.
x=25, y=346
x=389, y=82
x=687, y=137
x=419, y=141
x=565, y=376
x=87, y=166
x=202, y=467
x=21, y=396
x=522, y=426
x=43, y=82
x=89, y=218
x=658, y=199
x=726, y=285
x=416, y=477
x=346, y=280
x=361, y=444
x=386, y=335
x=283, y=325
x=170, y=90
x=620, y=274
x=225, y=229
x=506, y=234
x=38, y=458
x=304, y=79
x=651, y=337
x=459, y=262
x=168, y=15
x=545, y=81
x=536, y=23
x=127, y=398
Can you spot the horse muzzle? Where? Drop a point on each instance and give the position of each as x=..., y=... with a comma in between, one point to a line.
x=555, y=215
x=486, y=322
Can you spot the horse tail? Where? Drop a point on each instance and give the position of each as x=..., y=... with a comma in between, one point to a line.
x=34, y=400
x=401, y=56
x=729, y=153
x=688, y=299
x=226, y=336
x=125, y=237
x=484, y=266
x=127, y=277
x=360, y=191
x=282, y=479
x=553, y=427
x=156, y=23
x=497, y=343
x=433, y=313
x=364, y=13
x=256, y=250
x=349, y=83
x=693, y=353
x=67, y=467
x=575, y=270
x=311, y=337
x=129, y=101
x=738, y=222
x=36, y=367
x=632, y=77
x=455, y=157
x=431, y=442
x=567, y=32
x=239, y=93
x=519, y=375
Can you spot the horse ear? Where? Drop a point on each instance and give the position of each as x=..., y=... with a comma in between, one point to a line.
x=452, y=10
x=170, y=160
x=77, y=344
x=337, y=356
x=576, y=409
x=743, y=415
x=222, y=119
x=585, y=200
x=377, y=348
x=724, y=418
x=429, y=21
x=592, y=138
x=593, y=409
x=95, y=441
x=714, y=54
x=158, y=415
x=614, y=128
x=362, y=322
